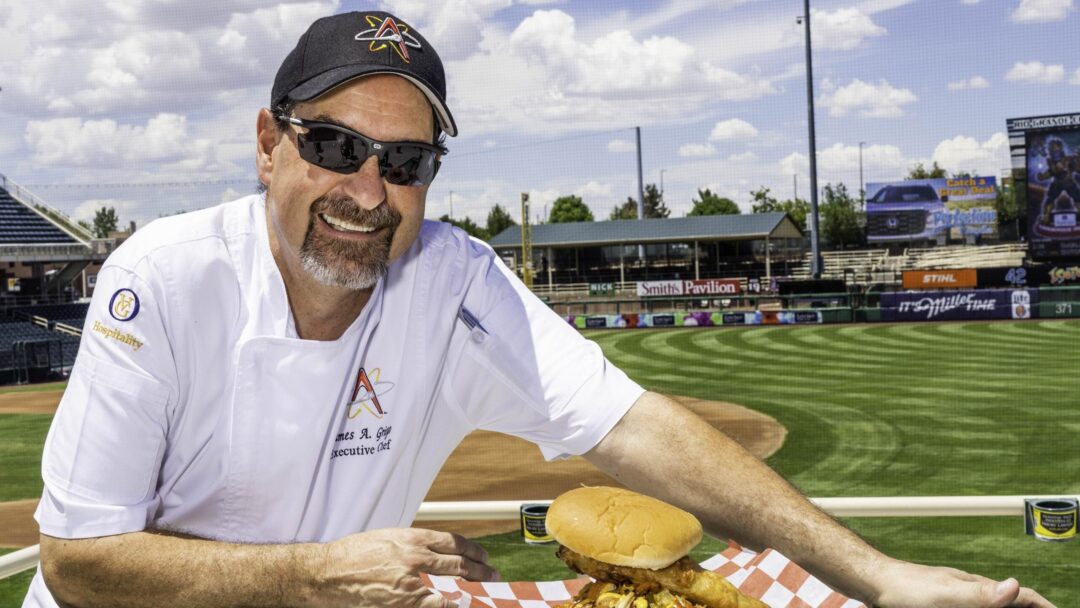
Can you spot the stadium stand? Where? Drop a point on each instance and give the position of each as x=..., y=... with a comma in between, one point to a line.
x=29, y=352
x=73, y=314
x=858, y=266
x=876, y=265
x=985, y=256
x=20, y=225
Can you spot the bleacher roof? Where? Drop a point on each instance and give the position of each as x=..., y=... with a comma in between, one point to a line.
x=20, y=225
x=671, y=230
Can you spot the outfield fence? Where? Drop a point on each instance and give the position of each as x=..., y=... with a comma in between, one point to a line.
x=893, y=506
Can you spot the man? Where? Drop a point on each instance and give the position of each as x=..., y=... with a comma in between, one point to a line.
x=307, y=360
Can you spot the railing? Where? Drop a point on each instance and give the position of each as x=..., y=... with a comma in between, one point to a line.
x=900, y=506
x=46, y=210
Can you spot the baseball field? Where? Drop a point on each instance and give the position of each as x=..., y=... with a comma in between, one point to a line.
x=981, y=408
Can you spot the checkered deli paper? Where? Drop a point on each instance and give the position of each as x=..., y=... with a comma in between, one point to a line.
x=769, y=577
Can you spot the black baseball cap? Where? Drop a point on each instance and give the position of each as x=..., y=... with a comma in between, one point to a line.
x=337, y=49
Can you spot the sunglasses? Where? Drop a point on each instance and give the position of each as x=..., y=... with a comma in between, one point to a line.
x=343, y=150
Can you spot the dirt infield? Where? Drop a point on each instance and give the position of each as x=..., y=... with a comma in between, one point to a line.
x=30, y=402
x=486, y=466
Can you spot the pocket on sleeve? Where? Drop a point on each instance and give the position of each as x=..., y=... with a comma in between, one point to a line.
x=108, y=436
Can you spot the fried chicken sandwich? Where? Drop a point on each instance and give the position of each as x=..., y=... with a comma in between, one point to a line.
x=636, y=548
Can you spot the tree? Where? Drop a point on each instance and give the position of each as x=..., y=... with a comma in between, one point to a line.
x=498, y=219
x=654, y=206
x=708, y=203
x=921, y=172
x=625, y=211
x=567, y=209
x=1006, y=205
x=840, y=217
x=468, y=226
x=797, y=209
x=105, y=221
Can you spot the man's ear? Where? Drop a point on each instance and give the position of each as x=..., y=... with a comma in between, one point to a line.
x=267, y=137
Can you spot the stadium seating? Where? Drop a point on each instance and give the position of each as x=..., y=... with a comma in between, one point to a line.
x=877, y=265
x=858, y=266
x=20, y=225
x=62, y=347
x=986, y=256
x=68, y=314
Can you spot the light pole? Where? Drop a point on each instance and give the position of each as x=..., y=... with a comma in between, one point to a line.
x=862, y=189
x=451, y=204
x=815, y=236
x=662, y=171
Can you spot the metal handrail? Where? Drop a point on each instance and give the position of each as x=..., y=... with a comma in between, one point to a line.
x=46, y=210
x=889, y=506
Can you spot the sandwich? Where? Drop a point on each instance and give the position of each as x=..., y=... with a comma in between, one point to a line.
x=635, y=547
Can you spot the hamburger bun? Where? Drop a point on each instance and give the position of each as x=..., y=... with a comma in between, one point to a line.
x=623, y=528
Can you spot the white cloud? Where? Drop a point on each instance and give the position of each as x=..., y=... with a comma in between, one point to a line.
x=593, y=189
x=443, y=23
x=842, y=158
x=869, y=100
x=963, y=153
x=621, y=146
x=73, y=141
x=744, y=157
x=795, y=163
x=730, y=86
x=616, y=61
x=975, y=82
x=970, y=2
x=695, y=150
x=1035, y=72
x=733, y=129
x=843, y=29
x=1042, y=11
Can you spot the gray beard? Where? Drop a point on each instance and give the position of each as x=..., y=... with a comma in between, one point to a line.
x=346, y=264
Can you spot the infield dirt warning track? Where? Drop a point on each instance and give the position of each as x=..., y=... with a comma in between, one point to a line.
x=486, y=466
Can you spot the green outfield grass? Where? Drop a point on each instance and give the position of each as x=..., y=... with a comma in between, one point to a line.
x=902, y=410
x=871, y=410
x=21, y=439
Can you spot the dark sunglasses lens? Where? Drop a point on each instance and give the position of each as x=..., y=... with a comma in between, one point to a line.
x=407, y=165
x=332, y=149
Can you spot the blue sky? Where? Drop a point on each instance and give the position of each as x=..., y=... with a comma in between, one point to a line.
x=546, y=93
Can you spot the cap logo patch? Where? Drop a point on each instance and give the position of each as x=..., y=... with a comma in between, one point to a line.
x=386, y=33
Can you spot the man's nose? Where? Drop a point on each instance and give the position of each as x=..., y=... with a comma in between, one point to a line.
x=366, y=186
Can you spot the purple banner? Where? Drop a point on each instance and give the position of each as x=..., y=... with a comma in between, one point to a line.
x=959, y=305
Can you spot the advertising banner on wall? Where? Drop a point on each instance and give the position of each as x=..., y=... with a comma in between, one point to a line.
x=703, y=287
x=1053, y=193
x=959, y=306
x=931, y=209
x=1065, y=275
x=956, y=278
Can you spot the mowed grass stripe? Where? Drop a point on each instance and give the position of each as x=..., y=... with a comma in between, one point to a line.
x=982, y=408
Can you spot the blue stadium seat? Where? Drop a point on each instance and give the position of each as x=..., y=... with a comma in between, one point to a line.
x=21, y=225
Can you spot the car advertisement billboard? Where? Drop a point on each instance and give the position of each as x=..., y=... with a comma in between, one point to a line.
x=935, y=210
x=1053, y=192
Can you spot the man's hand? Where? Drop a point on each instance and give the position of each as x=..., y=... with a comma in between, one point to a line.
x=914, y=586
x=382, y=567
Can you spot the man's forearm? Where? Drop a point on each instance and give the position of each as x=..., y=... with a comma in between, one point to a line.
x=663, y=449
x=155, y=569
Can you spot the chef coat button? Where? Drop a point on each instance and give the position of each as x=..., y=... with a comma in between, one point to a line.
x=478, y=337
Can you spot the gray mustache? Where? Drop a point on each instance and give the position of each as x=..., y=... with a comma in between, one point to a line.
x=379, y=217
